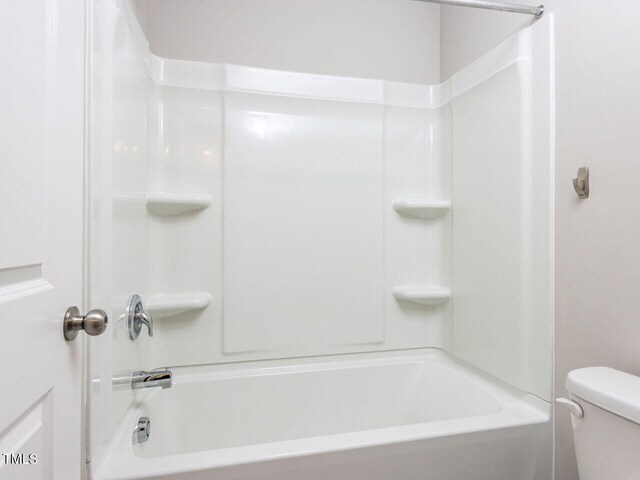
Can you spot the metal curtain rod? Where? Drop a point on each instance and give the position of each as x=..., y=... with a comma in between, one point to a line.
x=503, y=7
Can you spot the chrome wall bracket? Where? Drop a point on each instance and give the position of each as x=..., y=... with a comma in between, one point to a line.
x=581, y=182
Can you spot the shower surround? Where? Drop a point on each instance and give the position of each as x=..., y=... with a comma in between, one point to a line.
x=339, y=269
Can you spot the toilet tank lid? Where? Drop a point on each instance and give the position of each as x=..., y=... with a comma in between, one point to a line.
x=612, y=390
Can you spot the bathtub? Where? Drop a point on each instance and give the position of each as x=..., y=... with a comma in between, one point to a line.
x=418, y=414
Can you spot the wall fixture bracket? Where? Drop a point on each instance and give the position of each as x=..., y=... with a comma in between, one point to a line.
x=581, y=182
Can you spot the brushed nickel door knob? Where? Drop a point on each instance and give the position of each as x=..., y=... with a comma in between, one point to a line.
x=93, y=323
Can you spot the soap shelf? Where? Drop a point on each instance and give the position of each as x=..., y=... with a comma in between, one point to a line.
x=422, y=294
x=428, y=209
x=166, y=204
x=167, y=305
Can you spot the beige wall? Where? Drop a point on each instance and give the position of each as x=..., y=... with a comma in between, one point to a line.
x=388, y=39
x=467, y=33
x=598, y=125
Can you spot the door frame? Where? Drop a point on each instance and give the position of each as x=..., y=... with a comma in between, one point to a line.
x=86, y=195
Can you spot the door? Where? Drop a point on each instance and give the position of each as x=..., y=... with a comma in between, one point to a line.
x=41, y=236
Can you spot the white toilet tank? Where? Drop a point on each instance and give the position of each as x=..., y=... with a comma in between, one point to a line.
x=607, y=436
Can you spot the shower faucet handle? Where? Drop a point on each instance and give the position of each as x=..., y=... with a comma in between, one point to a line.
x=143, y=318
x=137, y=317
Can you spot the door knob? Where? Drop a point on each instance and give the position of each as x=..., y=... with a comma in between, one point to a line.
x=93, y=323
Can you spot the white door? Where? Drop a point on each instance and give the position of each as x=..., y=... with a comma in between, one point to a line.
x=41, y=236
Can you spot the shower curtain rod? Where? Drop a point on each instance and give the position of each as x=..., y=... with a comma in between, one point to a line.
x=504, y=7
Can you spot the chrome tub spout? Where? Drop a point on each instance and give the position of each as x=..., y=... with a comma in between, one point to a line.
x=160, y=377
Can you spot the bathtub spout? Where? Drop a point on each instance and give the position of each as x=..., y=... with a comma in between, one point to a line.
x=160, y=377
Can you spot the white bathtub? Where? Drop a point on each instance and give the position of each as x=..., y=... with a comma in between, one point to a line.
x=398, y=415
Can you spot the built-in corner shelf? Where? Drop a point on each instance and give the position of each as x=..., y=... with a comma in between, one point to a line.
x=428, y=209
x=164, y=204
x=169, y=204
x=167, y=305
x=422, y=294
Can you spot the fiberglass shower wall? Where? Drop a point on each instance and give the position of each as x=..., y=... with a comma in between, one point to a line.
x=266, y=214
x=300, y=248
x=502, y=111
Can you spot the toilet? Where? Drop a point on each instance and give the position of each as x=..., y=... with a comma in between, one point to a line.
x=605, y=415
